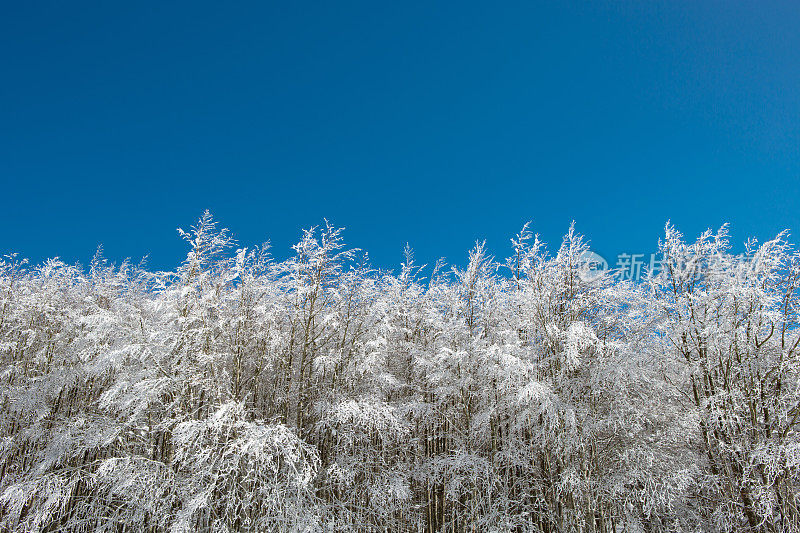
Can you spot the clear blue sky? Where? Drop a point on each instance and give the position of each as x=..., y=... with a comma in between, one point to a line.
x=429, y=122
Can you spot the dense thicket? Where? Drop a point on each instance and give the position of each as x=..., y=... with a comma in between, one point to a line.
x=239, y=393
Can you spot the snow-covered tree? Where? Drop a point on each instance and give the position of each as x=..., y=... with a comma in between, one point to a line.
x=318, y=393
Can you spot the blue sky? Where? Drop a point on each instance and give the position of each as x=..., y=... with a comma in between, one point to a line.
x=428, y=122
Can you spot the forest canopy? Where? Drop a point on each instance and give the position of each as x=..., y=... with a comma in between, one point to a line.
x=317, y=393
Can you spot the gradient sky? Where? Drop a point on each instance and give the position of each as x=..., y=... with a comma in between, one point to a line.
x=435, y=123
